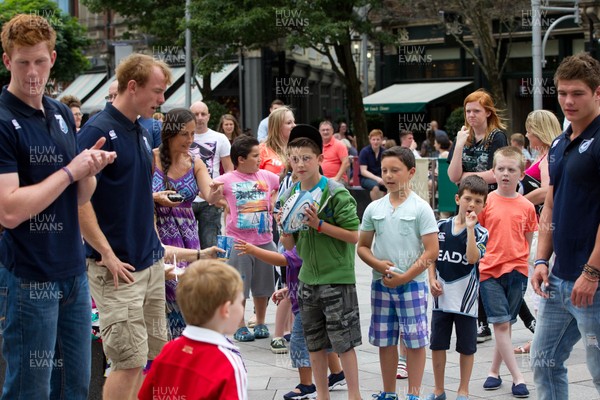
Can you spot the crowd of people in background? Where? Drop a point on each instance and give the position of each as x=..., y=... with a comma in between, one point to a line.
x=147, y=192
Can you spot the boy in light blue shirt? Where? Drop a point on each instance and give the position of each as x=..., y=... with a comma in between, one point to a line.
x=406, y=246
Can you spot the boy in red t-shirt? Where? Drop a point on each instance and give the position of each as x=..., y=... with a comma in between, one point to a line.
x=510, y=220
x=202, y=363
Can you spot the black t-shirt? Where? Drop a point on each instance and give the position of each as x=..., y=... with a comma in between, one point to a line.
x=479, y=157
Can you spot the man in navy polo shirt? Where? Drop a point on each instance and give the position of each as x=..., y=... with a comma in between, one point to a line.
x=44, y=294
x=370, y=166
x=570, y=307
x=125, y=270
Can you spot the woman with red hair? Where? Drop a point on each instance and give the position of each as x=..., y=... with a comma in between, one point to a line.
x=475, y=144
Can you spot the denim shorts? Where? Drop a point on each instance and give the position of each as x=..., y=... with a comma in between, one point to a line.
x=399, y=310
x=330, y=317
x=369, y=184
x=298, y=350
x=502, y=297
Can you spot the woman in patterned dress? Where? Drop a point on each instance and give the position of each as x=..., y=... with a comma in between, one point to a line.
x=177, y=172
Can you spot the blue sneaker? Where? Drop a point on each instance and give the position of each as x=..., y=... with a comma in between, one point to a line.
x=412, y=397
x=492, y=383
x=385, y=396
x=306, y=392
x=520, y=390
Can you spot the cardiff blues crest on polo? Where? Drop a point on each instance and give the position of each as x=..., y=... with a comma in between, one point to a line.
x=61, y=122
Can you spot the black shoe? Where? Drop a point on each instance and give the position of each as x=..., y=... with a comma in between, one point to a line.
x=483, y=334
x=334, y=380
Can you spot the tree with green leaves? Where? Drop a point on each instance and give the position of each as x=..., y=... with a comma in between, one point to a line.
x=70, y=37
x=324, y=25
x=483, y=28
x=220, y=28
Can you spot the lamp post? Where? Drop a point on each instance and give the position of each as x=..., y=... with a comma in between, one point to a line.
x=356, y=42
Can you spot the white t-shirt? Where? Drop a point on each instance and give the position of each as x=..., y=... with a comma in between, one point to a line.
x=210, y=147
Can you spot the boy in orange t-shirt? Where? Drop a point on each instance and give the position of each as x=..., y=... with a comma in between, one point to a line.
x=511, y=221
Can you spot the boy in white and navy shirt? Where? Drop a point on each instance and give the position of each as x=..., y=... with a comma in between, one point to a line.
x=455, y=284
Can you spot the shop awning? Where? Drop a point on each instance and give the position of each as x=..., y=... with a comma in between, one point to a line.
x=83, y=85
x=177, y=99
x=97, y=101
x=409, y=97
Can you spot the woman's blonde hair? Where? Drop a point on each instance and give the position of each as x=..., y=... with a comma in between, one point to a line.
x=493, y=121
x=544, y=125
x=274, y=140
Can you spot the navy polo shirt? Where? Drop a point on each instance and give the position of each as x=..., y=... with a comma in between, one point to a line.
x=123, y=198
x=367, y=157
x=154, y=128
x=574, y=167
x=36, y=144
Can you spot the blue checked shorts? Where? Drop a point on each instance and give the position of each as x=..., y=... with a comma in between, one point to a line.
x=400, y=310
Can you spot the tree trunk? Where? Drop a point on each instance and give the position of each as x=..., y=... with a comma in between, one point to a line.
x=206, y=89
x=349, y=76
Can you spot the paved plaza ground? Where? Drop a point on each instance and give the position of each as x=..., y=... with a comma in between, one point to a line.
x=270, y=376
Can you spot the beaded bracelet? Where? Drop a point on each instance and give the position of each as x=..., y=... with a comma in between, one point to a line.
x=593, y=272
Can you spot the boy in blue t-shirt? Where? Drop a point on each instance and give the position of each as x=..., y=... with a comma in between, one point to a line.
x=405, y=232
x=455, y=286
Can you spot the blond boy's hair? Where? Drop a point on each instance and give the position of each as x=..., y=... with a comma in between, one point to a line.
x=138, y=67
x=510, y=152
x=204, y=287
x=27, y=30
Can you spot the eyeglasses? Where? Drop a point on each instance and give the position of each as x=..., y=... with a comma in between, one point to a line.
x=110, y=97
x=78, y=114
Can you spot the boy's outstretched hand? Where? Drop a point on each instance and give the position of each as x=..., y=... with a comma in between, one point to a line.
x=244, y=247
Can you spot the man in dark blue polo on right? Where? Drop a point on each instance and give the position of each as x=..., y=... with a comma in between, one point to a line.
x=570, y=307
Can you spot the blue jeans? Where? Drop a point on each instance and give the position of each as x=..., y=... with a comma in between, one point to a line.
x=298, y=350
x=209, y=223
x=559, y=326
x=47, y=337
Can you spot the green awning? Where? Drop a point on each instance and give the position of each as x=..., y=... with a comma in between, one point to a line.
x=83, y=85
x=409, y=97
